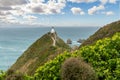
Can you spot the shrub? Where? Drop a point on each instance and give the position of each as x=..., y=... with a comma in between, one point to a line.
x=104, y=56
x=77, y=69
x=51, y=69
x=15, y=77
x=12, y=75
x=2, y=75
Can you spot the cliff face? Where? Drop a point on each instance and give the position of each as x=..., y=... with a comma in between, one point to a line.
x=44, y=49
x=106, y=31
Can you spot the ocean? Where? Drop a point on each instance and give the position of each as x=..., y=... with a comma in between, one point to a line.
x=14, y=41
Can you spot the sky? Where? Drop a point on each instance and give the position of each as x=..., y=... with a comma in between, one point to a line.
x=74, y=13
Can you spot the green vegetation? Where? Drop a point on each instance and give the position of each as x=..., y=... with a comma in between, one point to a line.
x=104, y=56
x=106, y=31
x=43, y=61
x=38, y=53
x=77, y=69
x=12, y=75
x=2, y=75
x=51, y=69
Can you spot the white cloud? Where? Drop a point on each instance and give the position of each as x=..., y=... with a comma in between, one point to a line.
x=29, y=17
x=95, y=9
x=17, y=11
x=81, y=1
x=76, y=10
x=8, y=19
x=37, y=1
x=22, y=8
x=50, y=7
x=112, y=1
x=4, y=13
x=108, y=1
x=109, y=13
x=33, y=6
x=103, y=1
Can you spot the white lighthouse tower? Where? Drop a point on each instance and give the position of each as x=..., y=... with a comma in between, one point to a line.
x=52, y=30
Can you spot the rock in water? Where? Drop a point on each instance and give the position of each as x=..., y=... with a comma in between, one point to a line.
x=42, y=50
x=69, y=41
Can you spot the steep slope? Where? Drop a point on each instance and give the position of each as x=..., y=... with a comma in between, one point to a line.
x=44, y=49
x=106, y=31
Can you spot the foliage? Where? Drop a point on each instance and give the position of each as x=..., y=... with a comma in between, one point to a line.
x=104, y=57
x=26, y=77
x=2, y=75
x=51, y=69
x=12, y=75
x=77, y=69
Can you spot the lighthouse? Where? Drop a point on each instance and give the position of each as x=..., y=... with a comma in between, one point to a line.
x=52, y=30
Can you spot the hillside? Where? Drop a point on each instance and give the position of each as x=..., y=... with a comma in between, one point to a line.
x=44, y=49
x=103, y=56
x=107, y=31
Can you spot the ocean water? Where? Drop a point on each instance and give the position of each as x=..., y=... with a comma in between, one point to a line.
x=14, y=41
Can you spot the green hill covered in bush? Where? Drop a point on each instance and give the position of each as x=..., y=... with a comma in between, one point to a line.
x=103, y=56
x=106, y=31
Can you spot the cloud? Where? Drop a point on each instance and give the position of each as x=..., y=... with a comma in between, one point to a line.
x=108, y=1
x=76, y=10
x=81, y=1
x=5, y=8
x=22, y=11
x=8, y=19
x=108, y=13
x=103, y=1
x=4, y=13
x=95, y=9
x=112, y=1
x=33, y=6
x=30, y=17
x=37, y=1
x=50, y=7
x=11, y=3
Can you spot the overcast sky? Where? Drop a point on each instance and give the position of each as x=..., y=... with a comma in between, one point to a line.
x=59, y=12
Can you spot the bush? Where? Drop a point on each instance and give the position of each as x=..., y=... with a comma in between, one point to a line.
x=2, y=75
x=12, y=75
x=77, y=69
x=51, y=69
x=104, y=57
x=17, y=76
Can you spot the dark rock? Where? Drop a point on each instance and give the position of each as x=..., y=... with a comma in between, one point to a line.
x=69, y=41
